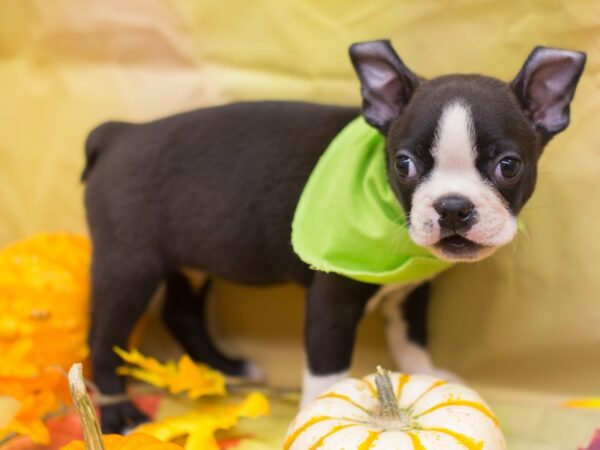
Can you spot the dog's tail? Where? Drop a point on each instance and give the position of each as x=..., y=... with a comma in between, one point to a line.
x=97, y=140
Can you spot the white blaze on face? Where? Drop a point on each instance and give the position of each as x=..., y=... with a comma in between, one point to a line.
x=454, y=173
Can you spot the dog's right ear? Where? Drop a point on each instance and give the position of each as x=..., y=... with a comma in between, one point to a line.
x=386, y=83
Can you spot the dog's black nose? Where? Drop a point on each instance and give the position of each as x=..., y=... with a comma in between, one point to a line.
x=456, y=213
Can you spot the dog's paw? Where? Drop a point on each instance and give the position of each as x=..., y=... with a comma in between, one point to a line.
x=121, y=418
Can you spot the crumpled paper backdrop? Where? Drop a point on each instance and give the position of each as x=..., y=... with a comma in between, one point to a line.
x=525, y=320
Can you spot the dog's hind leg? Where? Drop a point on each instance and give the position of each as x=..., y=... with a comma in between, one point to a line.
x=185, y=315
x=122, y=286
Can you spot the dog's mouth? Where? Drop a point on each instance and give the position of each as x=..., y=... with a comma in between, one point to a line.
x=457, y=247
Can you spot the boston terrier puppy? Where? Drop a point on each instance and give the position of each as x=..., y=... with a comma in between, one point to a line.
x=216, y=189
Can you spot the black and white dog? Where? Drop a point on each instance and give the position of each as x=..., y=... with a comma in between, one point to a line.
x=216, y=189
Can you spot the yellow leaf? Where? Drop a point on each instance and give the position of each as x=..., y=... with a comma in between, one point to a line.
x=151, y=366
x=202, y=438
x=254, y=405
x=583, y=403
x=196, y=380
x=199, y=426
x=143, y=375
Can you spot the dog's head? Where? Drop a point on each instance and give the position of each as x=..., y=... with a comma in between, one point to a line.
x=462, y=150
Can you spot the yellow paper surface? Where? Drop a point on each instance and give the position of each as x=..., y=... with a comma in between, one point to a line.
x=525, y=319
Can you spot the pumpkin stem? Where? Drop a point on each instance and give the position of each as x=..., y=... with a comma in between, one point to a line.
x=91, y=430
x=387, y=398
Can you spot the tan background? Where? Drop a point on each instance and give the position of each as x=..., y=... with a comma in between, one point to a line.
x=527, y=318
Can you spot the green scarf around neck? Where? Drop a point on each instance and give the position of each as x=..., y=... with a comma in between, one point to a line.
x=348, y=220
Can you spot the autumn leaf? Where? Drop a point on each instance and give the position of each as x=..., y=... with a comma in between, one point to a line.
x=195, y=379
x=583, y=403
x=44, y=290
x=29, y=420
x=92, y=437
x=9, y=407
x=36, y=397
x=133, y=441
x=200, y=425
x=43, y=326
x=50, y=379
x=594, y=443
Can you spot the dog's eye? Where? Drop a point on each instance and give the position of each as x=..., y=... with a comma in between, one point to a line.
x=405, y=166
x=507, y=168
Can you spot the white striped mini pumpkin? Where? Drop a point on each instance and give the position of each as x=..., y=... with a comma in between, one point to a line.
x=387, y=411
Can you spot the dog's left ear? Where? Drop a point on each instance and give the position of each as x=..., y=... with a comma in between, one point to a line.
x=386, y=83
x=545, y=87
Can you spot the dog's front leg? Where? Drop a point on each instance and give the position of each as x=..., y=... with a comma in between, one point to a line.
x=334, y=308
x=405, y=315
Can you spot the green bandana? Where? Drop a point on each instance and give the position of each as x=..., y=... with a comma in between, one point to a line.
x=348, y=220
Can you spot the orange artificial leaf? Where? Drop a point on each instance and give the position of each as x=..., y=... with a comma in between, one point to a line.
x=36, y=397
x=50, y=379
x=43, y=326
x=134, y=441
x=187, y=376
x=44, y=286
x=29, y=420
